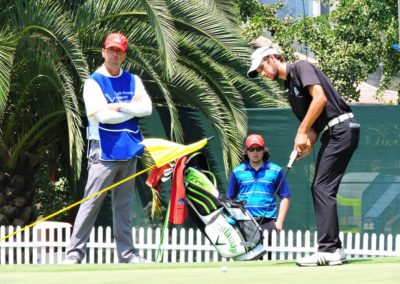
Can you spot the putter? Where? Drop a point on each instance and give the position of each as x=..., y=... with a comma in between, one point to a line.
x=292, y=158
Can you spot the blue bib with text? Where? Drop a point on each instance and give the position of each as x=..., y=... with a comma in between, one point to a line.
x=119, y=141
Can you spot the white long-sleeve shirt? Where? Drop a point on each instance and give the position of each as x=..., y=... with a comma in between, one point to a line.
x=97, y=107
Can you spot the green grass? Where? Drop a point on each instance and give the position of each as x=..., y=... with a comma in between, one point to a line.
x=363, y=270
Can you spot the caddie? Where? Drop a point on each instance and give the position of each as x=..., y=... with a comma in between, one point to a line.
x=114, y=99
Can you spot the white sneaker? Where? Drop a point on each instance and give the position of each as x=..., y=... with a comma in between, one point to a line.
x=343, y=255
x=71, y=259
x=136, y=258
x=323, y=258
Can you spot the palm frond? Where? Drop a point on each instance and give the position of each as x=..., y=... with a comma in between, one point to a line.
x=135, y=58
x=7, y=47
x=214, y=74
x=222, y=9
x=156, y=204
x=45, y=86
x=190, y=88
x=160, y=19
x=45, y=19
x=31, y=138
x=198, y=20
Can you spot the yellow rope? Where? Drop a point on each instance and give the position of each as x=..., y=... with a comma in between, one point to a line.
x=79, y=202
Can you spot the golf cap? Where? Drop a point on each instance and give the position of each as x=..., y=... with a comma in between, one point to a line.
x=257, y=57
x=116, y=40
x=254, y=140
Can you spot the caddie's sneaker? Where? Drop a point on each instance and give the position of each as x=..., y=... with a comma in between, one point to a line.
x=136, y=258
x=71, y=259
x=323, y=258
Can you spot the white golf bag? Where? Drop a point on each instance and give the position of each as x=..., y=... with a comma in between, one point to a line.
x=224, y=222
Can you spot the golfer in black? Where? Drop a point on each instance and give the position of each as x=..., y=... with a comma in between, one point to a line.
x=322, y=111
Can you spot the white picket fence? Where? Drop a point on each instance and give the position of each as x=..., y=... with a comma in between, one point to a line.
x=46, y=243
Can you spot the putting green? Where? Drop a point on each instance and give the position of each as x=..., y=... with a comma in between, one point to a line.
x=364, y=270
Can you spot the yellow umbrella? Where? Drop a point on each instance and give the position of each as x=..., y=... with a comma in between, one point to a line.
x=164, y=151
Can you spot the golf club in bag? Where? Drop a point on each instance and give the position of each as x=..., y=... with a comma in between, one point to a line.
x=292, y=159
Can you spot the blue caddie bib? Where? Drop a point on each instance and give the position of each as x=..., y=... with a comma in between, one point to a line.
x=119, y=141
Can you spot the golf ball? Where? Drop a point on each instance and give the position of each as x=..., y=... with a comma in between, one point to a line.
x=224, y=268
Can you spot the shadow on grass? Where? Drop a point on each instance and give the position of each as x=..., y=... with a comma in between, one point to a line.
x=358, y=260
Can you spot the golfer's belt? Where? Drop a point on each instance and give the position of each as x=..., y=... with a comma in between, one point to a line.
x=337, y=120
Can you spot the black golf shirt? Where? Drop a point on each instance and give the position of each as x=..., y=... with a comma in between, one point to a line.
x=302, y=74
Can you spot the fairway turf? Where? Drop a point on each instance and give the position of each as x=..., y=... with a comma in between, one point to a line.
x=363, y=270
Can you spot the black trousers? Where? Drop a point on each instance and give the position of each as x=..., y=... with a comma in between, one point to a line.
x=268, y=224
x=338, y=145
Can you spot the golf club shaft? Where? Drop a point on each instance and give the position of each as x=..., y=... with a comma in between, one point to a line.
x=273, y=196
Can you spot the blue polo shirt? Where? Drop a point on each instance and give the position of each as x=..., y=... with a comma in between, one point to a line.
x=258, y=187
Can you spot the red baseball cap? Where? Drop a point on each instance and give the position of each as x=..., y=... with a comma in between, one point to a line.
x=116, y=40
x=254, y=140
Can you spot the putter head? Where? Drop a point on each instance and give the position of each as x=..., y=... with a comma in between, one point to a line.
x=248, y=244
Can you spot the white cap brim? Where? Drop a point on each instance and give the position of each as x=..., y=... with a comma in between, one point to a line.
x=257, y=57
x=252, y=73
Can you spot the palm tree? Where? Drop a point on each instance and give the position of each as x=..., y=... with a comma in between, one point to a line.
x=42, y=68
x=188, y=53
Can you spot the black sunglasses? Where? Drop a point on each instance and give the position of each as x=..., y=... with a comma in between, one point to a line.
x=258, y=149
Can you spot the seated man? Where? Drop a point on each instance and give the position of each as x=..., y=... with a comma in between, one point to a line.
x=256, y=180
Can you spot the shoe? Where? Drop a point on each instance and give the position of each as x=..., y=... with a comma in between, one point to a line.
x=343, y=255
x=323, y=258
x=136, y=258
x=71, y=259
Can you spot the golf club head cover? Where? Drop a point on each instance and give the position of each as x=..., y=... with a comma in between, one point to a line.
x=153, y=181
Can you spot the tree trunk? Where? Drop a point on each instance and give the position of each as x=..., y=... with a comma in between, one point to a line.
x=16, y=190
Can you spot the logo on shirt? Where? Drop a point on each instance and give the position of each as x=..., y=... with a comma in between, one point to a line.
x=296, y=92
x=119, y=97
